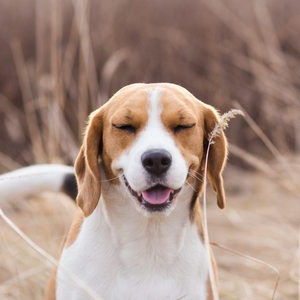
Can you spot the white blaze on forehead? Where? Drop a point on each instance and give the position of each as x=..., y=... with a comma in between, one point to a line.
x=154, y=131
x=156, y=106
x=153, y=136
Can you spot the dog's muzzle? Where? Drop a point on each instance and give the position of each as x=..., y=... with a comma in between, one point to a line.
x=155, y=199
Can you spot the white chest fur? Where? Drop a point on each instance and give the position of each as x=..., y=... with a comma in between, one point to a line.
x=121, y=254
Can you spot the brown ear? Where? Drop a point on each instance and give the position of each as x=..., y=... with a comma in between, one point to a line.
x=86, y=165
x=217, y=154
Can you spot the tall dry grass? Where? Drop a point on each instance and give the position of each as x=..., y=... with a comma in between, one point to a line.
x=60, y=60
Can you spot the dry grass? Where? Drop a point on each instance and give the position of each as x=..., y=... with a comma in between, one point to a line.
x=62, y=59
x=46, y=220
x=89, y=292
x=261, y=220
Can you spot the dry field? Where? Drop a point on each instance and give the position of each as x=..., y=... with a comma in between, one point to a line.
x=61, y=59
x=261, y=220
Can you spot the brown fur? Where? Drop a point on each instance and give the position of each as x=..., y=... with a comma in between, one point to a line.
x=75, y=228
x=209, y=287
x=217, y=155
x=180, y=108
x=51, y=286
x=86, y=165
x=133, y=103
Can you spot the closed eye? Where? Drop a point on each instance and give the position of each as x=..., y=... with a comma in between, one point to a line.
x=182, y=127
x=128, y=128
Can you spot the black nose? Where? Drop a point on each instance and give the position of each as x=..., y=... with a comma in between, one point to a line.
x=156, y=161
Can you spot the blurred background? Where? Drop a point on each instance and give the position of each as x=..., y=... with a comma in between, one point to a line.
x=60, y=60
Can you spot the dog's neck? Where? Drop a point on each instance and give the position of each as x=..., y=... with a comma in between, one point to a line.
x=156, y=257
x=132, y=231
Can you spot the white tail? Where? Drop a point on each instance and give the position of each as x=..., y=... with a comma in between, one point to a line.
x=38, y=178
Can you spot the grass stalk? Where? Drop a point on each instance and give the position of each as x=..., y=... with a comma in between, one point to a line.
x=206, y=237
x=299, y=264
x=23, y=275
x=253, y=259
x=50, y=258
x=219, y=127
x=87, y=52
x=8, y=162
x=29, y=105
x=267, y=142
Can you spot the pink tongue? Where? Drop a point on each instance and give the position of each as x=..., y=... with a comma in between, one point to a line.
x=157, y=195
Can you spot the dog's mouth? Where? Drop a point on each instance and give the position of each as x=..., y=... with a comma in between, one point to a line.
x=156, y=198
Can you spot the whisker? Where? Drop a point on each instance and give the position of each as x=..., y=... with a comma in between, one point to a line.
x=191, y=186
x=112, y=178
x=198, y=173
x=193, y=175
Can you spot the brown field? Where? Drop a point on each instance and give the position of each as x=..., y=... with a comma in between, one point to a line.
x=59, y=60
x=261, y=220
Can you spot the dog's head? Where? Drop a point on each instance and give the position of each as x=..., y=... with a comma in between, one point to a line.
x=151, y=140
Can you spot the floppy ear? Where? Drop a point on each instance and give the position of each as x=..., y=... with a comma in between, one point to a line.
x=86, y=165
x=217, y=154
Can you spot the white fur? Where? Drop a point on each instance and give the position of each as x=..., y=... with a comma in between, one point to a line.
x=154, y=136
x=121, y=254
x=33, y=179
x=124, y=254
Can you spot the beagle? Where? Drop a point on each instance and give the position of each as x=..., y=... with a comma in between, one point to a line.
x=138, y=232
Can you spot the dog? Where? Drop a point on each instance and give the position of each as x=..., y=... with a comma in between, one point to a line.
x=138, y=232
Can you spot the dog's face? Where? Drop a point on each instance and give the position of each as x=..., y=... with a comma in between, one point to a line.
x=152, y=139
